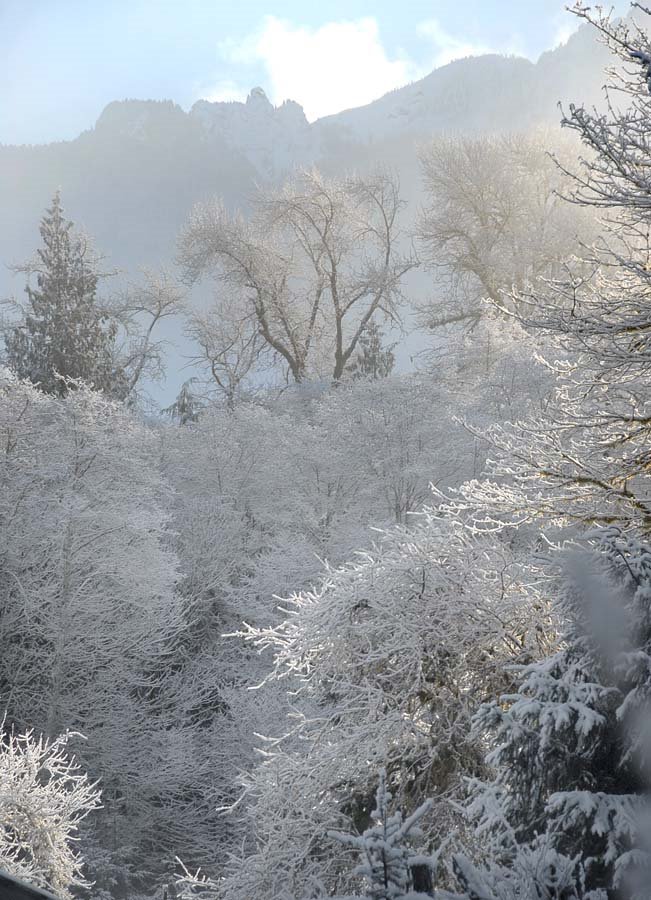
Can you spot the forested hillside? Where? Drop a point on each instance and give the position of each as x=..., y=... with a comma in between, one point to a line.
x=322, y=626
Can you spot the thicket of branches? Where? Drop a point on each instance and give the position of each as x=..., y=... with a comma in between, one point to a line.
x=260, y=697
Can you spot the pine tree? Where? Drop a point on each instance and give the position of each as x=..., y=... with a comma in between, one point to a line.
x=388, y=864
x=187, y=406
x=64, y=334
x=565, y=812
x=372, y=359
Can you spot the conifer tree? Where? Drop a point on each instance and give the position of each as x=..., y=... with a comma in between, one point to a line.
x=187, y=406
x=373, y=360
x=64, y=333
x=388, y=864
x=564, y=815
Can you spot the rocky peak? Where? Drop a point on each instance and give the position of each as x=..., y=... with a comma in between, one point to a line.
x=275, y=138
x=258, y=99
x=140, y=119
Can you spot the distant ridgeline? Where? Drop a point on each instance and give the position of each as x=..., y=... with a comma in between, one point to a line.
x=131, y=181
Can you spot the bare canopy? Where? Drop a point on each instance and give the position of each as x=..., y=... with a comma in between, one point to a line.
x=495, y=219
x=314, y=263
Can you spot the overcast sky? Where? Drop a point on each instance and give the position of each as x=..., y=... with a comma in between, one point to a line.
x=62, y=61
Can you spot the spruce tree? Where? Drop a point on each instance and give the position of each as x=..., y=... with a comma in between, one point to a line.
x=373, y=360
x=187, y=406
x=390, y=868
x=64, y=333
x=565, y=814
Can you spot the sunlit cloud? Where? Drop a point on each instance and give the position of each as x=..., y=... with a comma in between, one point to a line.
x=446, y=46
x=564, y=31
x=338, y=65
x=225, y=91
x=326, y=69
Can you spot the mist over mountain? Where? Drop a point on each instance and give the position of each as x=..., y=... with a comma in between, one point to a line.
x=131, y=180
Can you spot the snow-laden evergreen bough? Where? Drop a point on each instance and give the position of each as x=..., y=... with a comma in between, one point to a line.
x=567, y=811
x=389, y=867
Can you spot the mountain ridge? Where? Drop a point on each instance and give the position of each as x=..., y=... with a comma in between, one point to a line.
x=131, y=180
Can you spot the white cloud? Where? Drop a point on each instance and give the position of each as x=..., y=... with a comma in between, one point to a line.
x=326, y=69
x=565, y=25
x=447, y=47
x=225, y=91
x=562, y=35
x=336, y=66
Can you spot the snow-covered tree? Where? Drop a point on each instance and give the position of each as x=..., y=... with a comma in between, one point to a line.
x=385, y=661
x=89, y=614
x=566, y=812
x=584, y=457
x=44, y=795
x=373, y=359
x=65, y=333
x=317, y=260
x=393, y=438
x=229, y=345
x=137, y=312
x=494, y=219
x=187, y=406
x=389, y=867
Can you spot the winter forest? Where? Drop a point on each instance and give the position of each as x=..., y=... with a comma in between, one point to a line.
x=362, y=609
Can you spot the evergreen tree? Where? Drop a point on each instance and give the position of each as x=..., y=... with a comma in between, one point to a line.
x=187, y=406
x=390, y=868
x=372, y=359
x=565, y=812
x=64, y=334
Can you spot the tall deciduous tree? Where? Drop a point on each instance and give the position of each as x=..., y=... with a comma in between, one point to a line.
x=229, y=345
x=585, y=456
x=494, y=219
x=315, y=262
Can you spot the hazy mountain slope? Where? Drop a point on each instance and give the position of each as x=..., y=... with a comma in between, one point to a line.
x=132, y=179
x=485, y=93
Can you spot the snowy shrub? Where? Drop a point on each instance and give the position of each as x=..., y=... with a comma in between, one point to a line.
x=44, y=795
